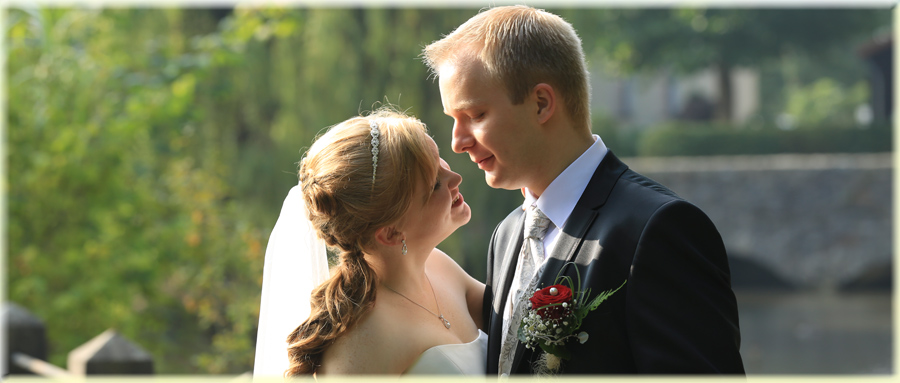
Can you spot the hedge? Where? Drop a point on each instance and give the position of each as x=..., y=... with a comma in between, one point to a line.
x=693, y=139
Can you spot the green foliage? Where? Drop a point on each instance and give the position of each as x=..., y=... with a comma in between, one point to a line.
x=825, y=101
x=118, y=211
x=702, y=139
x=150, y=151
x=690, y=39
x=617, y=138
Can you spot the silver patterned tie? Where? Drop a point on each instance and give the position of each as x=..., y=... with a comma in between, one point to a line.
x=532, y=255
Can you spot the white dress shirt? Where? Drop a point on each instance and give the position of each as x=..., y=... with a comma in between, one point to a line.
x=557, y=203
x=560, y=197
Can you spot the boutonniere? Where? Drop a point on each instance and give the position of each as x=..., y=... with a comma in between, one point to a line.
x=555, y=316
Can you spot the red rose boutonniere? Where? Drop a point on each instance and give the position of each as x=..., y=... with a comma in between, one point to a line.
x=544, y=299
x=555, y=316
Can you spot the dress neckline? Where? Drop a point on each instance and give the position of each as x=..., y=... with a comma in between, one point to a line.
x=480, y=334
x=453, y=358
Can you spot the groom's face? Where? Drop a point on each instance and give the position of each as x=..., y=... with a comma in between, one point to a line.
x=498, y=135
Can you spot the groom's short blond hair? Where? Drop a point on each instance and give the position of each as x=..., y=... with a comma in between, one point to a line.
x=521, y=47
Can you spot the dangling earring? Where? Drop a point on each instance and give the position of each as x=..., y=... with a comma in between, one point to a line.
x=404, y=246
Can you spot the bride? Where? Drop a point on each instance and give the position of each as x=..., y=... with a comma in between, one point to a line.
x=378, y=193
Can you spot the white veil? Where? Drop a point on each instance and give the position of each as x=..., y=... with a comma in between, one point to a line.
x=296, y=262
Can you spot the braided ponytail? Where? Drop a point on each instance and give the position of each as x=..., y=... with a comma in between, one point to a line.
x=336, y=307
x=346, y=207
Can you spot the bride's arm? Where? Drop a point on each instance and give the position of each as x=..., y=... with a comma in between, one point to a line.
x=472, y=288
x=475, y=298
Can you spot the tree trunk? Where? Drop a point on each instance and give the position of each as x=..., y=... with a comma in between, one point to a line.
x=724, y=108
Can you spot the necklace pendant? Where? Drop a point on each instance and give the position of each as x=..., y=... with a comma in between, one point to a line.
x=446, y=322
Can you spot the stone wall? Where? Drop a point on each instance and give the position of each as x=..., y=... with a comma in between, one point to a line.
x=813, y=220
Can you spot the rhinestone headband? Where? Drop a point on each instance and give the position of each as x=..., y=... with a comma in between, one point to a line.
x=375, y=140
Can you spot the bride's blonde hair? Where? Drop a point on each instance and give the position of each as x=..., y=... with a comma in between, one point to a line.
x=346, y=207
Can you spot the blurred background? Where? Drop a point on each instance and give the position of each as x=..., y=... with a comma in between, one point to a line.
x=149, y=152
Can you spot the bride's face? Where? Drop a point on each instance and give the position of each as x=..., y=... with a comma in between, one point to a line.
x=439, y=213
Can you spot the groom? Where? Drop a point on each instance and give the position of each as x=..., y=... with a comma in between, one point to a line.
x=514, y=81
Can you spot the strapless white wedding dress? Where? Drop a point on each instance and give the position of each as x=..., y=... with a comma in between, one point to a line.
x=453, y=359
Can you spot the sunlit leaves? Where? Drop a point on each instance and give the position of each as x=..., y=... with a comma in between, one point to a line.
x=94, y=235
x=150, y=150
x=825, y=101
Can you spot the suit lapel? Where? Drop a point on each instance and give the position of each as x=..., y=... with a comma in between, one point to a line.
x=510, y=256
x=574, y=229
x=502, y=283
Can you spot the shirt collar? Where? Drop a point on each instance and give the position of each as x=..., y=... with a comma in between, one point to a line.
x=562, y=194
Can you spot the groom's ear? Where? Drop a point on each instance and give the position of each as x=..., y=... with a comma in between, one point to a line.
x=388, y=236
x=545, y=97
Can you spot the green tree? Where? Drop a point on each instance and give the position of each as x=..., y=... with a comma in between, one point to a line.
x=150, y=150
x=689, y=39
x=118, y=209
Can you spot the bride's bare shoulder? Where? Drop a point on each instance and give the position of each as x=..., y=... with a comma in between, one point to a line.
x=444, y=264
x=379, y=344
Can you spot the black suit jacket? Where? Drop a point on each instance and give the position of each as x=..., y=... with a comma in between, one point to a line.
x=676, y=314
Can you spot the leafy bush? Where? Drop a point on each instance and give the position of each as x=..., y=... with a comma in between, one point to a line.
x=119, y=208
x=825, y=101
x=703, y=139
x=621, y=141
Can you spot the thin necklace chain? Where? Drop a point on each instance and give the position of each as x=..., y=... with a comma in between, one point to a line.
x=439, y=316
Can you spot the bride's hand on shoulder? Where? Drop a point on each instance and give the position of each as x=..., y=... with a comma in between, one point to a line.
x=471, y=287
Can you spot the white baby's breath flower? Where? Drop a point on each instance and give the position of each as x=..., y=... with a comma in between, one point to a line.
x=582, y=337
